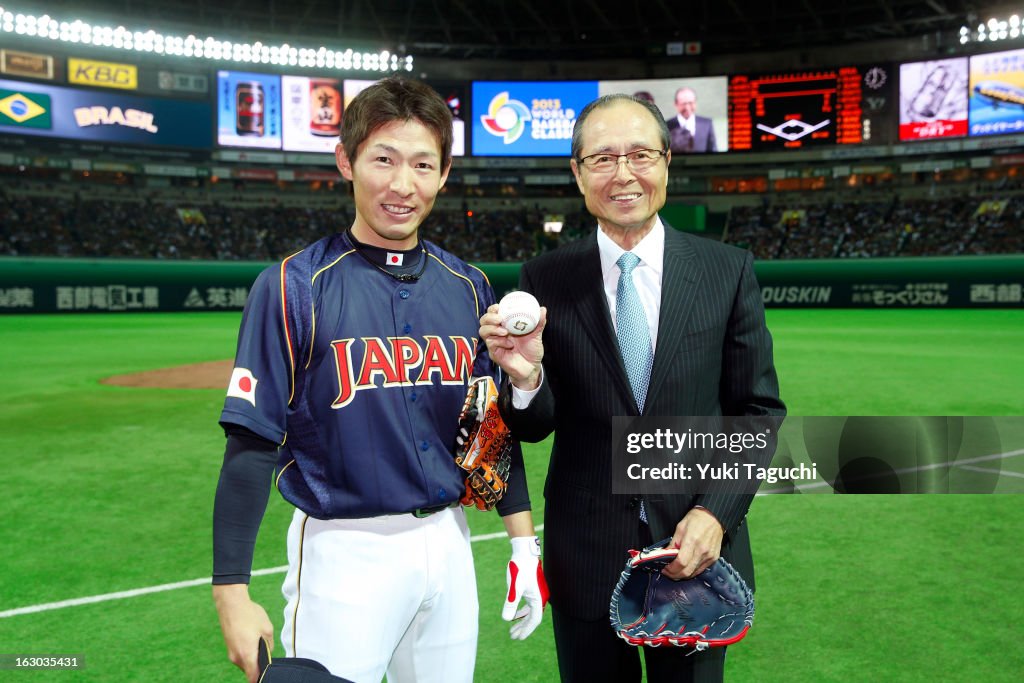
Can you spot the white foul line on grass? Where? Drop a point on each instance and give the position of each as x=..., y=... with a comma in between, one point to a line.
x=989, y=470
x=907, y=470
x=136, y=592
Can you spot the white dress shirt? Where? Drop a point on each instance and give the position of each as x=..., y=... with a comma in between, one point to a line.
x=646, y=275
x=689, y=124
x=646, y=278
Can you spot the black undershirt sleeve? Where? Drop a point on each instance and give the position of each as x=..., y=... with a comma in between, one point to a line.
x=517, y=497
x=242, y=494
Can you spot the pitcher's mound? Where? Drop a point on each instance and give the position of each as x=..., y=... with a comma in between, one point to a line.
x=212, y=374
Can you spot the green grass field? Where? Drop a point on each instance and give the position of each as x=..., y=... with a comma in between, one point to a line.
x=110, y=489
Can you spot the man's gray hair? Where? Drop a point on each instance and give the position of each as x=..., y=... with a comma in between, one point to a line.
x=606, y=100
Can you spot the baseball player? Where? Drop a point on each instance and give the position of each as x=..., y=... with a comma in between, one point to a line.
x=353, y=361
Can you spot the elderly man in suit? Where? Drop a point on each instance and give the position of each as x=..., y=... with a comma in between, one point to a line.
x=693, y=309
x=690, y=134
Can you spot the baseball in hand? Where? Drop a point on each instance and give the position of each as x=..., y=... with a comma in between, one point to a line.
x=519, y=312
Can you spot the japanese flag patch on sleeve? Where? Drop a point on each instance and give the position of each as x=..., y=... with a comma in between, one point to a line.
x=243, y=385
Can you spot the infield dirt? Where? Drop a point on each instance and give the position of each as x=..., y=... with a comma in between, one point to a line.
x=209, y=375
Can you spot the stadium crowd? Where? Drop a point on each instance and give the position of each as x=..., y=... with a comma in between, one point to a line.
x=915, y=227
x=76, y=224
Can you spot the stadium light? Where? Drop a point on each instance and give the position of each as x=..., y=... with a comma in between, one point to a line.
x=192, y=47
x=993, y=30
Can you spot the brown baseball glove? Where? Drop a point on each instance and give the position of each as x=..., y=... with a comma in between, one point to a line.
x=483, y=446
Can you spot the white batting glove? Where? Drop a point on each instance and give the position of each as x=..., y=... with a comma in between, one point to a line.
x=525, y=578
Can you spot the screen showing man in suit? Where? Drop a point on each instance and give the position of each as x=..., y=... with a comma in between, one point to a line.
x=639, y=319
x=691, y=134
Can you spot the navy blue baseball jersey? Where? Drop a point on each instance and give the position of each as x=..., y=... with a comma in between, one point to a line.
x=361, y=376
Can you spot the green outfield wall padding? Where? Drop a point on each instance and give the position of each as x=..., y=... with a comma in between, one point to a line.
x=685, y=217
x=49, y=285
x=924, y=282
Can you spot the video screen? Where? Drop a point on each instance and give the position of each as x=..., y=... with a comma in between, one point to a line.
x=354, y=86
x=79, y=114
x=933, y=99
x=527, y=118
x=311, y=111
x=248, y=110
x=997, y=93
x=847, y=106
x=695, y=109
x=454, y=95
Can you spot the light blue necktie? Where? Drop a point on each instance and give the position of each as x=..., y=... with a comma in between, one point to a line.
x=632, y=330
x=634, y=337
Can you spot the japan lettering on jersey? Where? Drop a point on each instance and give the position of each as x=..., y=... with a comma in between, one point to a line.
x=360, y=377
x=400, y=361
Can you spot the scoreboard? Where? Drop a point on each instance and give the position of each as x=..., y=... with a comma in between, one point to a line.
x=869, y=104
x=845, y=106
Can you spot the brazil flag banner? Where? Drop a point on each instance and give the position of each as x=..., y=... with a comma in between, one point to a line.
x=31, y=110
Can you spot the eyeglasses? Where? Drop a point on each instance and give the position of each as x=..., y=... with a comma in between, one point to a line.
x=639, y=160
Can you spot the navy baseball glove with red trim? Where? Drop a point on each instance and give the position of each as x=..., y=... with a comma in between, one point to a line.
x=713, y=609
x=292, y=669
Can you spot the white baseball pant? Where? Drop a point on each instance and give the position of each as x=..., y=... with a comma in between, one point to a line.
x=394, y=593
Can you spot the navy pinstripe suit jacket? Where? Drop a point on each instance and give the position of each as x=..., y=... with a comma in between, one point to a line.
x=713, y=357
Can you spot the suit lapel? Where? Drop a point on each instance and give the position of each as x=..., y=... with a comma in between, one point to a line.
x=592, y=307
x=681, y=275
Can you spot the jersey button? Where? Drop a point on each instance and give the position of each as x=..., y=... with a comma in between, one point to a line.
x=442, y=494
x=412, y=397
x=404, y=293
x=424, y=446
x=407, y=329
